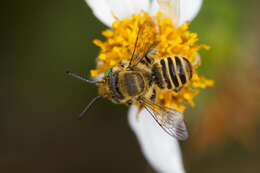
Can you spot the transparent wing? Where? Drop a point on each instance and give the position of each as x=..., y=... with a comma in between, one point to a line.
x=170, y=9
x=170, y=120
x=147, y=38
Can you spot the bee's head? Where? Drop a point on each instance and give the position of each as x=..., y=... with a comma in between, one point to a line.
x=110, y=79
x=111, y=71
x=109, y=75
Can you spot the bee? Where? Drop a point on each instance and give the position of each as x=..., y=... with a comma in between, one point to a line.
x=136, y=81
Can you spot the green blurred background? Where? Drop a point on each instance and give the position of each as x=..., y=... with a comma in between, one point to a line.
x=39, y=130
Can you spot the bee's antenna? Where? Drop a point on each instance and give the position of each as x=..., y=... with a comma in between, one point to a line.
x=89, y=105
x=83, y=79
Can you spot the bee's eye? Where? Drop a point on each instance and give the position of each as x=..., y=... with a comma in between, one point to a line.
x=107, y=73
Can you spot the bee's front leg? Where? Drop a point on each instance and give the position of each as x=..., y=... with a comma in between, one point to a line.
x=149, y=56
x=178, y=89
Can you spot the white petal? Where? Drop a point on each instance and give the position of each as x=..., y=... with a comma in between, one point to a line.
x=161, y=150
x=103, y=9
x=186, y=11
x=189, y=10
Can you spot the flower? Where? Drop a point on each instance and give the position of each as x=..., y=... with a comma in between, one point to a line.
x=120, y=43
x=125, y=17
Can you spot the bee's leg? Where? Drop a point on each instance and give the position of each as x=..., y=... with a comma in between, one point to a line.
x=178, y=89
x=139, y=107
x=123, y=63
x=129, y=102
x=149, y=56
x=138, y=112
x=153, y=51
x=196, y=61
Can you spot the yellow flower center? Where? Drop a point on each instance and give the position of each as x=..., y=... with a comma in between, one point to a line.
x=119, y=45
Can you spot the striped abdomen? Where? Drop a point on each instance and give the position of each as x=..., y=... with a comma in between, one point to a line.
x=172, y=72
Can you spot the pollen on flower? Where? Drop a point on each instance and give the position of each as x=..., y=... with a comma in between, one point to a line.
x=119, y=45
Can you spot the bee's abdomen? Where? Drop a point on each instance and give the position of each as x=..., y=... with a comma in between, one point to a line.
x=165, y=72
x=188, y=67
x=172, y=72
x=158, y=75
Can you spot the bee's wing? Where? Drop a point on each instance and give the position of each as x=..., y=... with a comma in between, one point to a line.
x=171, y=9
x=147, y=38
x=170, y=120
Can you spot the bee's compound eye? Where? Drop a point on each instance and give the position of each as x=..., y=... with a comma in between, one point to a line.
x=107, y=73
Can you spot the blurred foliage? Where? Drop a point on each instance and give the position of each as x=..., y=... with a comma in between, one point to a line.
x=39, y=130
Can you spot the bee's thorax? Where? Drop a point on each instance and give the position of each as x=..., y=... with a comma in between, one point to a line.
x=125, y=86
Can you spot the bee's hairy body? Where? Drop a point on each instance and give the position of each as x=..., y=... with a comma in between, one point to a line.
x=125, y=85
